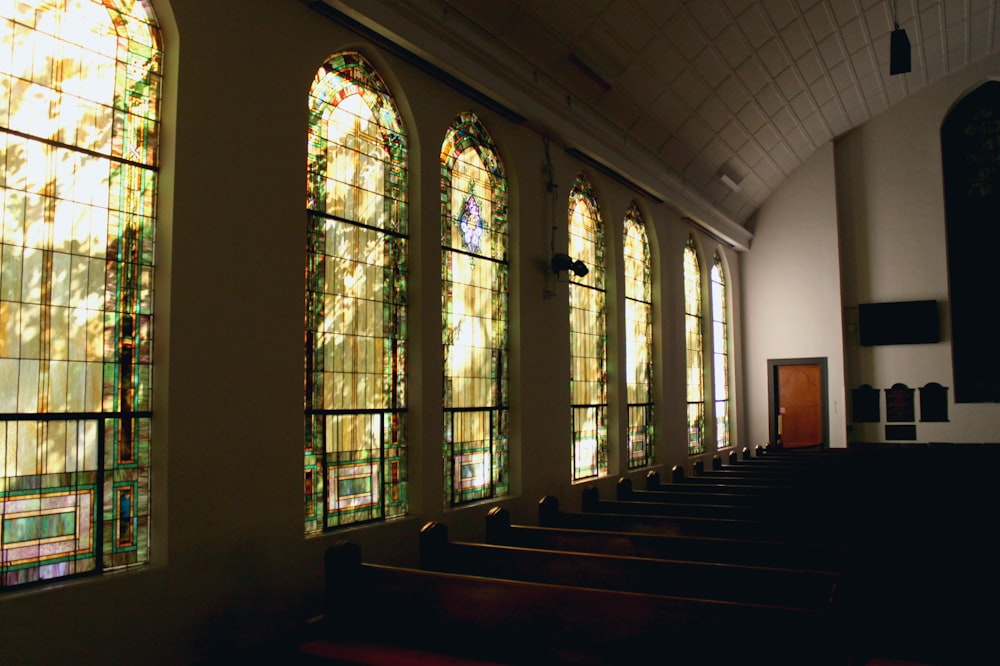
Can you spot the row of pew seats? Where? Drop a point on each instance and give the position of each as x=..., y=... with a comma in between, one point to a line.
x=849, y=557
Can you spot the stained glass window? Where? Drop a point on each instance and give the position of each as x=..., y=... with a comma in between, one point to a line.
x=720, y=353
x=355, y=340
x=588, y=341
x=694, y=347
x=474, y=313
x=79, y=128
x=638, y=338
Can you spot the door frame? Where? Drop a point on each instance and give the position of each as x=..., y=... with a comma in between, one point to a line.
x=772, y=394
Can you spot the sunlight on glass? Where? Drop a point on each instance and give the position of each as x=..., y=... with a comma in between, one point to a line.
x=474, y=274
x=79, y=94
x=588, y=342
x=720, y=353
x=638, y=338
x=355, y=453
x=694, y=347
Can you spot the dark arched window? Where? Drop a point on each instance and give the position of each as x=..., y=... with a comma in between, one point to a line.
x=970, y=149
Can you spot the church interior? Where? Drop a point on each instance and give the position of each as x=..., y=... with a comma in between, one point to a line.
x=826, y=169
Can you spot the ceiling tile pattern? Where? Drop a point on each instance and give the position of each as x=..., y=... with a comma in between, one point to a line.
x=742, y=88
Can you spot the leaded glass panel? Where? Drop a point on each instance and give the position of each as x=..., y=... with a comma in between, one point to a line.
x=588, y=335
x=638, y=338
x=720, y=353
x=474, y=272
x=695, y=349
x=355, y=397
x=79, y=128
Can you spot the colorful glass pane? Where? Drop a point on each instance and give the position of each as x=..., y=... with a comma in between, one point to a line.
x=474, y=273
x=694, y=347
x=355, y=397
x=720, y=353
x=638, y=338
x=588, y=335
x=78, y=177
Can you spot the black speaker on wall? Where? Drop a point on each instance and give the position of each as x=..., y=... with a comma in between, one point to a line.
x=899, y=52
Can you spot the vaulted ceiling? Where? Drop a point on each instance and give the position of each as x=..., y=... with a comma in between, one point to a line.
x=708, y=103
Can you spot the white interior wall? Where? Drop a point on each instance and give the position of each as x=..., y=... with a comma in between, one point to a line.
x=791, y=292
x=890, y=198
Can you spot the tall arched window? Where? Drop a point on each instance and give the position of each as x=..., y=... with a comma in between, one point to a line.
x=720, y=353
x=474, y=313
x=638, y=338
x=970, y=159
x=79, y=129
x=695, y=349
x=355, y=339
x=588, y=337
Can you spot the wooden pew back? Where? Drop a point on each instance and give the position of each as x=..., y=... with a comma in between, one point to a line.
x=533, y=624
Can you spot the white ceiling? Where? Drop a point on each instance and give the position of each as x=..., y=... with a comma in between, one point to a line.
x=671, y=94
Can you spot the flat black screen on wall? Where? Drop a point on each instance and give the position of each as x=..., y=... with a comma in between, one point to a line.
x=898, y=323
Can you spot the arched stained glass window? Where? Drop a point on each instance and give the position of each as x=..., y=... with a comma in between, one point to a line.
x=474, y=313
x=695, y=349
x=588, y=335
x=79, y=128
x=355, y=346
x=638, y=338
x=970, y=160
x=720, y=353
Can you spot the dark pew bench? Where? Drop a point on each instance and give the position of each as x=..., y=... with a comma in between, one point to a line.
x=690, y=579
x=772, y=474
x=732, y=509
x=450, y=617
x=702, y=475
x=781, y=469
x=805, y=503
x=625, y=490
x=753, y=552
x=776, y=479
x=682, y=484
x=783, y=522
x=550, y=515
x=809, y=456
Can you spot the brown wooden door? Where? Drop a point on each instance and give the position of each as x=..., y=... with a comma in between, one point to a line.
x=800, y=405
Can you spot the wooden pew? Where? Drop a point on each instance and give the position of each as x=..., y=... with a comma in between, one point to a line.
x=682, y=484
x=800, y=505
x=767, y=586
x=550, y=515
x=447, y=618
x=774, y=479
x=752, y=552
x=731, y=509
x=776, y=474
x=803, y=503
x=828, y=468
x=803, y=461
x=625, y=490
x=791, y=522
x=702, y=475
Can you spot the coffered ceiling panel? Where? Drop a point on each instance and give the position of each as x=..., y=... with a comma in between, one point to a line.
x=720, y=99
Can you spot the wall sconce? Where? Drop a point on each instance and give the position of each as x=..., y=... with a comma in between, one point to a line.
x=564, y=262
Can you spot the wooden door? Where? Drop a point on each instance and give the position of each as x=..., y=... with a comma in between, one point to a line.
x=798, y=404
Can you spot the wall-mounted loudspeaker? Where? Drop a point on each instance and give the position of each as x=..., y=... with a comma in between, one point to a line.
x=899, y=52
